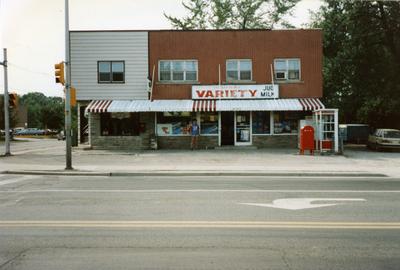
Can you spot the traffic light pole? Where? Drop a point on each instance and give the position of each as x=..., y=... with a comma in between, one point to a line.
x=67, y=93
x=6, y=108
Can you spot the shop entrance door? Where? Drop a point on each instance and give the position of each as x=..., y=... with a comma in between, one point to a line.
x=227, y=128
x=243, y=128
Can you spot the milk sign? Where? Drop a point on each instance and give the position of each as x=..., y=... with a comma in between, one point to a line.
x=269, y=91
x=256, y=91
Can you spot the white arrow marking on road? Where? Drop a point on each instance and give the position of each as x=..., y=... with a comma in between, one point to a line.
x=303, y=203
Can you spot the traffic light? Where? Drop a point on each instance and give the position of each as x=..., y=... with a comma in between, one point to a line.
x=13, y=100
x=72, y=93
x=59, y=72
x=72, y=96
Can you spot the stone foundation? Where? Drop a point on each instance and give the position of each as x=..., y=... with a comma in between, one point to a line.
x=277, y=141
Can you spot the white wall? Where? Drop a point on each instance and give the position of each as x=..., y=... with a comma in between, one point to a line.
x=89, y=47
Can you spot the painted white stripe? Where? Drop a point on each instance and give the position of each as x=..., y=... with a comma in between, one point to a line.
x=16, y=180
x=202, y=224
x=194, y=191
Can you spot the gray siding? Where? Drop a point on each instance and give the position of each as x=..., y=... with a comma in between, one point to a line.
x=89, y=47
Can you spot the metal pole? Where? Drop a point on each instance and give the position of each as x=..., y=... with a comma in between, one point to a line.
x=336, y=127
x=6, y=106
x=67, y=93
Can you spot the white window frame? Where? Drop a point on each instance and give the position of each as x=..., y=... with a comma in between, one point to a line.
x=238, y=69
x=287, y=70
x=184, y=70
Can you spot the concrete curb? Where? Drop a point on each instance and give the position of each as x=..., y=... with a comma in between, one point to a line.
x=64, y=173
x=197, y=173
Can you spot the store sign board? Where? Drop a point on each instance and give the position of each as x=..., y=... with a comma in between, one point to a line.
x=257, y=91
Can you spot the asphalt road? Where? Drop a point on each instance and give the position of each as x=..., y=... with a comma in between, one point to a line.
x=51, y=222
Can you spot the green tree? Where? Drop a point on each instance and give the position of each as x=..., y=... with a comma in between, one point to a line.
x=44, y=112
x=233, y=14
x=361, y=60
x=52, y=114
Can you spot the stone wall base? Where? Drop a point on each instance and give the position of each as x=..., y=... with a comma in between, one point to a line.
x=277, y=141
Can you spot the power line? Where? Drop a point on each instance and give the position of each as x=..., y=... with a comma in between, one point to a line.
x=30, y=70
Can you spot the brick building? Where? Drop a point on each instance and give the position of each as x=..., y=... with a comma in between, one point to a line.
x=244, y=87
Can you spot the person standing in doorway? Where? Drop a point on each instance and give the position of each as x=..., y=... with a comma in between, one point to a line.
x=194, y=131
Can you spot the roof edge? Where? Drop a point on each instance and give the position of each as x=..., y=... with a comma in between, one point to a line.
x=197, y=30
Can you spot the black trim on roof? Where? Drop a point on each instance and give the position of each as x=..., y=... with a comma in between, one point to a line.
x=201, y=30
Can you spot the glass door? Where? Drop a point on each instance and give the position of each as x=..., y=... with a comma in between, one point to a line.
x=242, y=128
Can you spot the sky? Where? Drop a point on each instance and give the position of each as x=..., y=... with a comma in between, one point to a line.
x=33, y=32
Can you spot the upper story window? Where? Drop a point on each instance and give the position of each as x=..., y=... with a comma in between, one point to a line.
x=238, y=70
x=177, y=70
x=111, y=71
x=287, y=69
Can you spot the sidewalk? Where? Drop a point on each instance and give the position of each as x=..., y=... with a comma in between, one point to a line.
x=49, y=156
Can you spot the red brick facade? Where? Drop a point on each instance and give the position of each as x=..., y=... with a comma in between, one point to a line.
x=213, y=48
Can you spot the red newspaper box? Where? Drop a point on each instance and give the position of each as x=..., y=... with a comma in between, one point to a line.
x=307, y=139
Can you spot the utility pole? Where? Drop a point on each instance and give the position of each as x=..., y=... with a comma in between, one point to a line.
x=6, y=109
x=67, y=93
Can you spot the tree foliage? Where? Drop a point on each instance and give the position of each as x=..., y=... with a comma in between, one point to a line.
x=44, y=112
x=362, y=60
x=233, y=14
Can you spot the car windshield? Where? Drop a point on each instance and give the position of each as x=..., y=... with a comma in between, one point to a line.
x=392, y=134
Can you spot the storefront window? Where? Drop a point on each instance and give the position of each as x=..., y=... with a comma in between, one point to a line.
x=286, y=122
x=261, y=123
x=119, y=124
x=174, y=123
x=209, y=123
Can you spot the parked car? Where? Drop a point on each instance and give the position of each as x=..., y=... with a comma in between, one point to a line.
x=30, y=131
x=3, y=132
x=18, y=129
x=384, y=139
x=61, y=136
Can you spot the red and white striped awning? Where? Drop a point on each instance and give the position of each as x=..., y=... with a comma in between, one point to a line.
x=188, y=105
x=204, y=105
x=311, y=104
x=98, y=106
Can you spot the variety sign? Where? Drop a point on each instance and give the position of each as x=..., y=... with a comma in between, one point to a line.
x=257, y=91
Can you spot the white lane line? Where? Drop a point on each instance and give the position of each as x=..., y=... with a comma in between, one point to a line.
x=16, y=180
x=201, y=224
x=37, y=150
x=195, y=190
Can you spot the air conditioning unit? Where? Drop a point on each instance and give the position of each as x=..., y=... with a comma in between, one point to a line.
x=280, y=75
